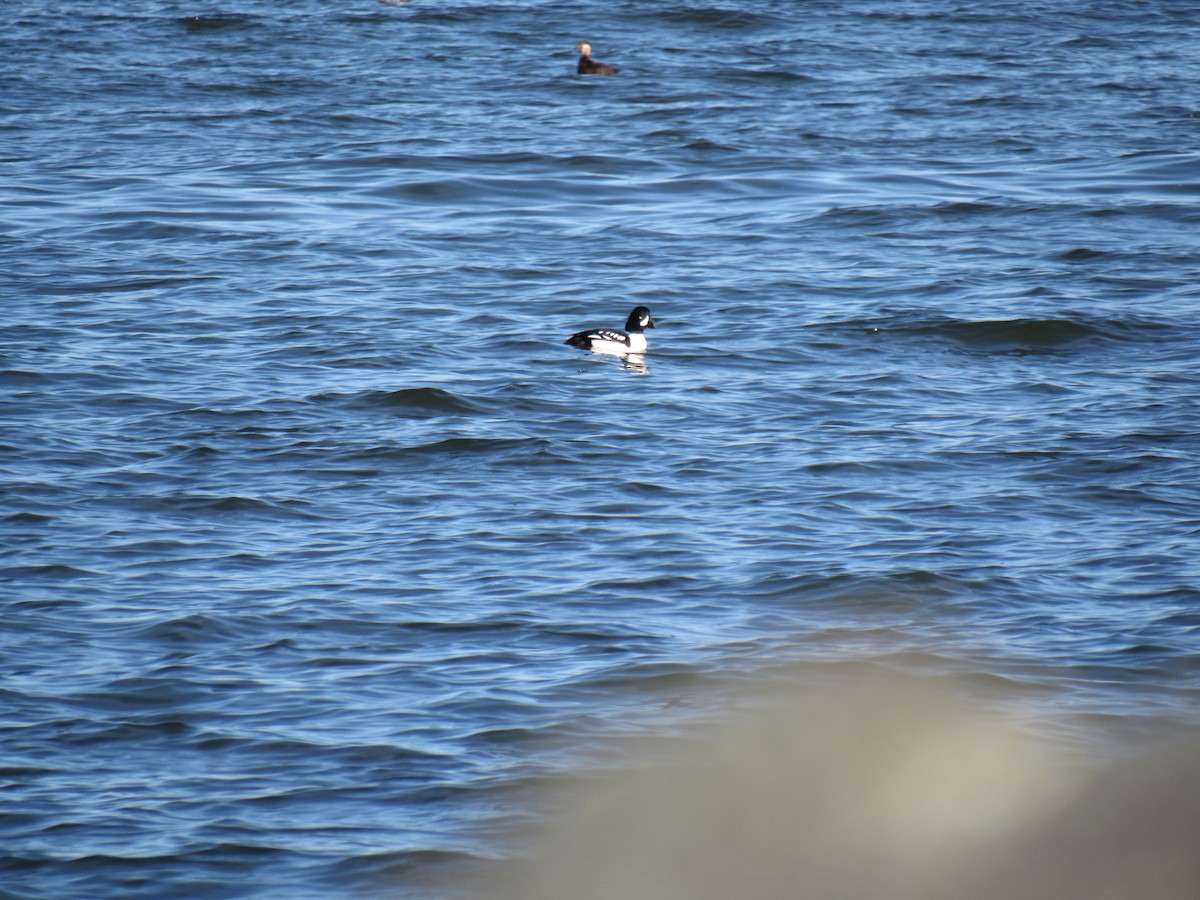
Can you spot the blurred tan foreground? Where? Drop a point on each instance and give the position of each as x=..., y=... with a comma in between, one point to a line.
x=888, y=789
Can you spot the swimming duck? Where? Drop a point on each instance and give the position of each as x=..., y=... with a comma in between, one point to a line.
x=610, y=340
x=588, y=66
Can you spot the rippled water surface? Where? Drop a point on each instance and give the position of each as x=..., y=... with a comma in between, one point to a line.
x=319, y=546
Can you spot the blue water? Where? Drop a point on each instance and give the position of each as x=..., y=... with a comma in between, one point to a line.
x=319, y=547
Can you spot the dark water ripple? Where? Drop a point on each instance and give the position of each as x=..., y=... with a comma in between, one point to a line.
x=319, y=549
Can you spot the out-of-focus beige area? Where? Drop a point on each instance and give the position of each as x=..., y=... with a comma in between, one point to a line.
x=885, y=789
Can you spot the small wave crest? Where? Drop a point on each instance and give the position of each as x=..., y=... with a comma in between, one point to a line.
x=1030, y=333
x=215, y=23
x=427, y=400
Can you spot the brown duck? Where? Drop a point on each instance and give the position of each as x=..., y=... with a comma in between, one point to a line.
x=588, y=66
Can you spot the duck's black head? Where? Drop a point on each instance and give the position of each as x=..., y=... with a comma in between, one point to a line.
x=639, y=319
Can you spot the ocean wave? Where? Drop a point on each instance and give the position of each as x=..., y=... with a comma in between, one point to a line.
x=1019, y=333
x=429, y=401
x=202, y=24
